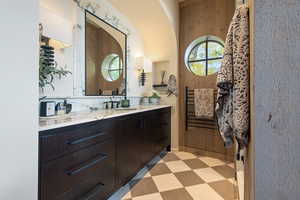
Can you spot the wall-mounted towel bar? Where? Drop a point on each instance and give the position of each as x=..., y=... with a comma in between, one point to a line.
x=190, y=118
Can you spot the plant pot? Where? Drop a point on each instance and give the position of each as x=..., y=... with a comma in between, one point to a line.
x=155, y=101
x=145, y=101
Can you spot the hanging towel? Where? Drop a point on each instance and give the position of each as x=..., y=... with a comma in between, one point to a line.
x=204, y=103
x=232, y=109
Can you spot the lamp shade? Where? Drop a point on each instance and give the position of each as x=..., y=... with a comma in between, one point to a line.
x=145, y=64
x=148, y=65
x=57, y=28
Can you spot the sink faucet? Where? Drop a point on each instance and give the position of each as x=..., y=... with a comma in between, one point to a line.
x=112, y=104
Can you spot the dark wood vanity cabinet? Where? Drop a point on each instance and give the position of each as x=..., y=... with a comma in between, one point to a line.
x=139, y=139
x=92, y=160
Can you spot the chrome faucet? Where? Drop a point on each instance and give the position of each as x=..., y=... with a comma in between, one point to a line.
x=112, y=104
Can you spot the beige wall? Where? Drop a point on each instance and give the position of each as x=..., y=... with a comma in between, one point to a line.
x=19, y=100
x=157, y=21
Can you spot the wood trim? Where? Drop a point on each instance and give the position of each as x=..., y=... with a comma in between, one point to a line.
x=249, y=170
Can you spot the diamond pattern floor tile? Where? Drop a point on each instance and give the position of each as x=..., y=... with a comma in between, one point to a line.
x=181, y=176
x=178, y=166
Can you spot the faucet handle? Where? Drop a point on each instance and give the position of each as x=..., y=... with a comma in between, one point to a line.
x=106, y=104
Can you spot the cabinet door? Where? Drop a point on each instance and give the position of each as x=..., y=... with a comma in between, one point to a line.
x=129, y=145
x=85, y=173
x=158, y=128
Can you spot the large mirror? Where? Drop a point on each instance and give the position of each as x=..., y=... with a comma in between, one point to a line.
x=105, y=58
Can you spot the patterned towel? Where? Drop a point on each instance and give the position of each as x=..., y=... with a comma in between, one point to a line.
x=232, y=107
x=204, y=103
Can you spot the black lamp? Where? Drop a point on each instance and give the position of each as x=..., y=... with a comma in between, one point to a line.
x=143, y=77
x=144, y=66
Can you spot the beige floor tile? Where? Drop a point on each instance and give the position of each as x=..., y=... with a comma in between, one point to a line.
x=127, y=196
x=225, y=171
x=143, y=187
x=209, y=175
x=185, y=155
x=231, y=165
x=212, y=162
x=155, y=196
x=147, y=175
x=170, y=157
x=232, y=180
x=224, y=189
x=195, y=163
x=203, y=192
x=178, y=166
x=188, y=178
x=167, y=182
x=159, y=169
x=178, y=194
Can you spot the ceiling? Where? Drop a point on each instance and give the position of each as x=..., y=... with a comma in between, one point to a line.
x=152, y=22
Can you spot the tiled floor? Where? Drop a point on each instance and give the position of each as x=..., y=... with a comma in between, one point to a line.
x=181, y=176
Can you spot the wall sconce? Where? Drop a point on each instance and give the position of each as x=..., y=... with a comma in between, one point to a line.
x=144, y=65
x=57, y=31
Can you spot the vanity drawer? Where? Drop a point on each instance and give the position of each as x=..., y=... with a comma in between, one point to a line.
x=58, y=142
x=81, y=174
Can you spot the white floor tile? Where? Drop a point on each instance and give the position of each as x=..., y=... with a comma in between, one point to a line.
x=209, y=175
x=203, y=192
x=185, y=155
x=178, y=166
x=212, y=162
x=167, y=182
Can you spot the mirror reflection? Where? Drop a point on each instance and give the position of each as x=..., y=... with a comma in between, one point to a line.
x=105, y=58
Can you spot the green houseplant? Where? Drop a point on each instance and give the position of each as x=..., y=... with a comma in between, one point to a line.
x=48, y=71
x=154, y=99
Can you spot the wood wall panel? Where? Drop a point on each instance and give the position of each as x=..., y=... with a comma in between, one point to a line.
x=199, y=18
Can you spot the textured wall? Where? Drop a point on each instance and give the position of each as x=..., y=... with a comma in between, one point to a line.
x=276, y=126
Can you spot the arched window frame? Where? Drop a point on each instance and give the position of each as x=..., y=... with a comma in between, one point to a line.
x=109, y=69
x=195, y=44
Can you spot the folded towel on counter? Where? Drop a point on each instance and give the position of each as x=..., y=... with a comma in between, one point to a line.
x=204, y=103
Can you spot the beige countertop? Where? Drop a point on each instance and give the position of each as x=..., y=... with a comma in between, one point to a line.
x=84, y=117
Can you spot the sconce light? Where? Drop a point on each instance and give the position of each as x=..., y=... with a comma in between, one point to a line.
x=144, y=65
x=56, y=29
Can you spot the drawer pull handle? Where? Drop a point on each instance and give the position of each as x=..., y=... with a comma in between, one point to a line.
x=93, y=192
x=81, y=140
x=73, y=172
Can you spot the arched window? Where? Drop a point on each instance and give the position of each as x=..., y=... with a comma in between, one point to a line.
x=204, y=55
x=112, y=67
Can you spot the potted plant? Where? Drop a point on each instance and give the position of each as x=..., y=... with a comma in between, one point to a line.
x=154, y=99
x=48, y=68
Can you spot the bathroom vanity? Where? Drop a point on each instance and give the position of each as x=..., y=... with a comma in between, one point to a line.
x=91, y=160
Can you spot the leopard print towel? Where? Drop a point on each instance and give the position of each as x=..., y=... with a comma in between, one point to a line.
x=232, y=109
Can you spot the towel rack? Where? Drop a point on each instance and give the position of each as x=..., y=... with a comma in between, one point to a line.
x=190, y=118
